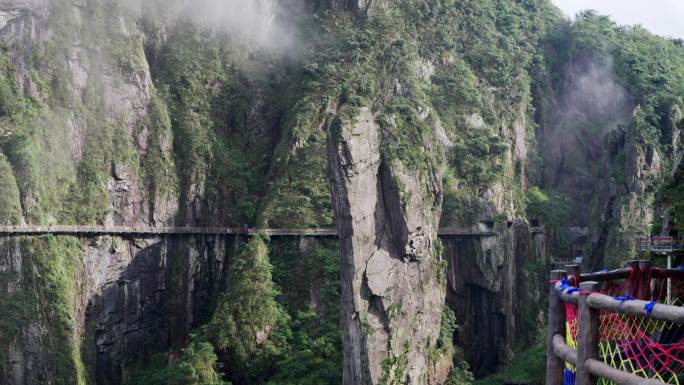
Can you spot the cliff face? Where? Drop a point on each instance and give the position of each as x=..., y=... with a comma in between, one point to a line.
x=154, y=122
x=608, y=136
x=470, y=144
x=626, y=198
x=155, y=292
x=387, y=119
x=88, y=139
x=494, y=287
x=79, y=138
x=117, y=302
x=78, y=97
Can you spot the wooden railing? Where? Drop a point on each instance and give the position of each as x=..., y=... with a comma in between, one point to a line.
x=146, y=230
x=590, y=302
x=538, y=230
x=556, y=261
x=660, y=244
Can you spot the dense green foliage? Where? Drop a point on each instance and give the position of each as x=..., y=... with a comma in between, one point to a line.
x=48, y=294
x=651, y=70
x=551, y=208
x=460, y=373
x=491, y=52
x=649, y=66
x=258, y=340
x=247, y=315
x=236, y=136
x=196, y=366
x=529, y=367
x=305, y=346
x=10, y=207
x=314, y=354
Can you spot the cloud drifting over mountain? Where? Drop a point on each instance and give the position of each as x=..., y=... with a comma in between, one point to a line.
x=662, y=17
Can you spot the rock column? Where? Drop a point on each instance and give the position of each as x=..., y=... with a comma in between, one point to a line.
x=392, y=271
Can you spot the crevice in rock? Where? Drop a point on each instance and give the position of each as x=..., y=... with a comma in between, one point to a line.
x=599, y=247
x=390, y=196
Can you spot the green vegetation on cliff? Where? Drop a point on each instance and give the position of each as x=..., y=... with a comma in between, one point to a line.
x=235, y=136
x=550, y=207
x=651, y=68
x=245, y=325
x=47, y=300
x=197, y=365
x=529, y=367
x=10, y=207
x=300, y=346
x=631, y=177
x=256, y=334
x=314, y=352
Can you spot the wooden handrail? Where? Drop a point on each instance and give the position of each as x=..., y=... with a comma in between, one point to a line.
x=655, y=272
x=563, y=351
x=660, y=312
x=600, y=369
x=588, y=340
x=601, y=276
x=565, y=296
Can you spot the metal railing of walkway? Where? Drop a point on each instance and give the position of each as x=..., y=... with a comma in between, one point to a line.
x=148, y=230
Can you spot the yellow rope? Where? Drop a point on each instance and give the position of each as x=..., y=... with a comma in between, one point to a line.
x=619, y=327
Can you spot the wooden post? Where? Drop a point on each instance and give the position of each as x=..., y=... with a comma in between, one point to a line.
x=587, y=334
x=639, y=289
x=669, y=281
x=554, y=364
x=631, y=263
x=645, y=290
x=573, y=274
x=631, y=290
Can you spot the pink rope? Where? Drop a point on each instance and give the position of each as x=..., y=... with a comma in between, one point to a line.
x=627, y=334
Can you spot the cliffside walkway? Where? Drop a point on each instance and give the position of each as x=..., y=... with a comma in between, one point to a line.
x=660, y=245
x=623, y=326
x=151, y=231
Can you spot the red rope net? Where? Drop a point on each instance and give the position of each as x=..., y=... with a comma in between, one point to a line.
x=637, y=344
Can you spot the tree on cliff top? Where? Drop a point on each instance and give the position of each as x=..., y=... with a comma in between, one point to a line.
x=195, y=366
x=244, y=326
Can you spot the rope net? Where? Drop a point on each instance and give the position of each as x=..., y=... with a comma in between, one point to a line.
x=636, y=344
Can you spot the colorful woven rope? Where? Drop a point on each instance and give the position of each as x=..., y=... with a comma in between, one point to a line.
x=637, y=344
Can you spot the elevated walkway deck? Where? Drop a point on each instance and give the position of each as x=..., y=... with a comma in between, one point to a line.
x=152, y=231
x=660, y=245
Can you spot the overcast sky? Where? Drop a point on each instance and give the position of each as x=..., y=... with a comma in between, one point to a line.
x=663, y=17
